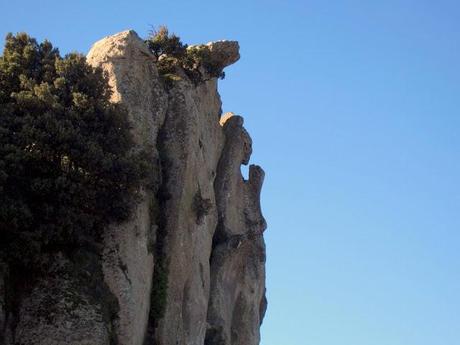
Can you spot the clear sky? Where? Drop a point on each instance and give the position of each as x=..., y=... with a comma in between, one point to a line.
x=354, y=110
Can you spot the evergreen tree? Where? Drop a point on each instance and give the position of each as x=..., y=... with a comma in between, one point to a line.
x=67, y=164
x=171, y=54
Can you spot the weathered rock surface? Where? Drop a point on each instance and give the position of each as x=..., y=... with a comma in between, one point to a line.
x=237, y=301
x=191, y=146
x=188, y=268
x=128, y=258
x=223, y=53
x=66, y=306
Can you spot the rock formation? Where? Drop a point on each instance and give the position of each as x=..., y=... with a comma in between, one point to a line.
x=188, y=268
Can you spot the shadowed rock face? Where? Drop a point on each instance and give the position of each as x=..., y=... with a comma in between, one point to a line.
x=223, y=53
x=198, y=225
x=236, y=305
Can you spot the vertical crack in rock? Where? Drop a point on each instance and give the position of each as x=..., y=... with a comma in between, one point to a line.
x=160, y=274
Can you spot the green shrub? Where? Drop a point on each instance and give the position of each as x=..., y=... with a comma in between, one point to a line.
x=67, y=167
x=167, y=68
x=172, y=54
x=201, y=56
x=161, y=43
x=201, y=206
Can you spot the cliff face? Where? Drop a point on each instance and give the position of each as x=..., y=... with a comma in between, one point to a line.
x=188, y=268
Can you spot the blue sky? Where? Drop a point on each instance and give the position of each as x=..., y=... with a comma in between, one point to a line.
x=353, y=107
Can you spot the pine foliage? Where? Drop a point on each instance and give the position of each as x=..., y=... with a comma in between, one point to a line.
x=172, y=53
x=67, y=164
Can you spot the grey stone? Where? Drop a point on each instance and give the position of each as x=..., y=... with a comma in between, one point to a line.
x=198, y=217
x=127, y=261
x=237, y=301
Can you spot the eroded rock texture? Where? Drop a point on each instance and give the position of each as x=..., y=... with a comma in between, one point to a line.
x=237, y=302
x=128, y=257
x=188, y=268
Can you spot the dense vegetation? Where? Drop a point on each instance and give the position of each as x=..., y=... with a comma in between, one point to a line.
x=67, y=167
x=171, y=54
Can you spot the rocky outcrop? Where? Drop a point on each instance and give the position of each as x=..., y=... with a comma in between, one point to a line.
x=128, y=257
x=223, y=53
x=237, y=302
x=191, y=144
x=188, y=268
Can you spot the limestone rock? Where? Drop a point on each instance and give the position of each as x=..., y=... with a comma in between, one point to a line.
x=134, y=79
x=191, y=144
x=237, y=301
x=68, y=305
x=128, y=261
x=225, y=117
x=224, y=53
x=197, y=228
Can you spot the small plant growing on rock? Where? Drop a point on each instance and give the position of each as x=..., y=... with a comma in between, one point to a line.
x=201, y=206
x=161, y=42
x=172, y=55
x=201, y=56
x=167, y=68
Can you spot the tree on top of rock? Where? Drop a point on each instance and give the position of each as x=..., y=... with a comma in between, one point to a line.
x=171, y=54
x=67, y=167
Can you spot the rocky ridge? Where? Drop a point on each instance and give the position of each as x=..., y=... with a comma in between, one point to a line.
x=188, y=268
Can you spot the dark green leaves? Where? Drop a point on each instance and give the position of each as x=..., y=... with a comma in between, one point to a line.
x=67, y=165
x=171, y=54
